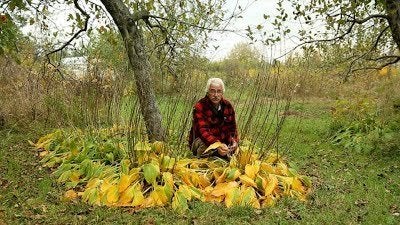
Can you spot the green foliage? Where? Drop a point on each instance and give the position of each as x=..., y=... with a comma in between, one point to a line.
x=360, y=126
x=9, y=36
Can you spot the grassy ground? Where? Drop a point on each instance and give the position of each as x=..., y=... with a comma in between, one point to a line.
x=349, y=188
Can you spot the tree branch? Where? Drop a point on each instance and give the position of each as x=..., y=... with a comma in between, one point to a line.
x=350, y=70
x=84, y=28
x=374, y=16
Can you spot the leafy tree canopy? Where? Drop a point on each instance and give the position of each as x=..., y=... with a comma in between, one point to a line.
x=375, y=23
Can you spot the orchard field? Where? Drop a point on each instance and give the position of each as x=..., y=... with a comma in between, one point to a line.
x=94, y=116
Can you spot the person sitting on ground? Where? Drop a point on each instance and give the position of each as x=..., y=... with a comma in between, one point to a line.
x=213, y=121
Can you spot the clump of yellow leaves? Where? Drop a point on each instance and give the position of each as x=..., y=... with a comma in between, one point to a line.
x=157, y=179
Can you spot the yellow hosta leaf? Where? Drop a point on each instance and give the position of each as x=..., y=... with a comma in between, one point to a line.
x=168, y=178
x=247, y=181
x=213, y=146
x=105, y=185
x=142, y=150
x=222, y=188
x=70, y=195
x=138, y=197
x=148, y=202
x=232, y=197
x=196, y=193
x=219, y=175
x=125, y=164
x=251, y=170
x=93, y=183
x=179, y=202
x=300, y=196
x=92, y=196
x=185, y=190
x=185, y=176
x=142, y=146
x=112, y=195
x=273, y=158
x=245, y=157
x=124, y=182
x=127, y=196
x=233, y=174
x=169, y=191
x=272, y=183
x=159, y=196
x=268, y=201
x=151, y=172
x=158, y=146
x=167, y=163
x=297, y=185
x=248, y=197
x=203, y=181
x=281, y=169
x=261, y=182
x=267, y=167
x=74, y=177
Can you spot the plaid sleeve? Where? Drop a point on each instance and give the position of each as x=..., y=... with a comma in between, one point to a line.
x=200, y=115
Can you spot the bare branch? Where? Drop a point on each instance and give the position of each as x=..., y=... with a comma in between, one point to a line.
x=84, y=28
x=374, y=16
x=340, y=37
x=350, y=70
x=190, y=24
x=396, y=59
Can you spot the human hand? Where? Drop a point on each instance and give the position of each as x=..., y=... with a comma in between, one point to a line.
x=223, y=150
x=233, y=147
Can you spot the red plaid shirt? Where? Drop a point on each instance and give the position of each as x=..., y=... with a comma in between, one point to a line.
x=212, y=125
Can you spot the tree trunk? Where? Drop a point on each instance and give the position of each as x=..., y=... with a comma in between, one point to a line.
x=393, y=12
x=128, y=25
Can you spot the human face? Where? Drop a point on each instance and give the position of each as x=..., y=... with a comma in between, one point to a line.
x=215, y=93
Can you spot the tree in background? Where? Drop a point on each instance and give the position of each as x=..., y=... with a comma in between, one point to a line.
x=242, y=62
x=346, y=23
x=169, y=23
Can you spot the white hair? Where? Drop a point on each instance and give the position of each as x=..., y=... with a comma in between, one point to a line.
x=216, y=81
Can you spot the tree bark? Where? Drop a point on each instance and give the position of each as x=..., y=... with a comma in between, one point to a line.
x=128, y=25
x=393, y=13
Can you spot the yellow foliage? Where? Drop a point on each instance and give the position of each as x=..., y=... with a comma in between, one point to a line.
x=297, y=185
x=160, y=179
x=232, y=174
x=92, y=183
x=138, y=197
x=248, y=197
x=74, y=177
x=112, y=195
x=158, y=146
x=127, y=196
x=70, y=195
x=222, y=188
x=232, y=197
x=251, y=170
x=214, y=146
x=267, y=167
x=272, y=184
x=159, y=196
x=168, y=178
x=124, y=182
x=383, y=71
x=247, y=181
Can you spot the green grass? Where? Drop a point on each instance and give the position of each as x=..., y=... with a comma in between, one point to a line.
x=349, y=187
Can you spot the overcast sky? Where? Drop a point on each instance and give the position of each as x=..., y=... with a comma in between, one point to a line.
x=253, y=16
